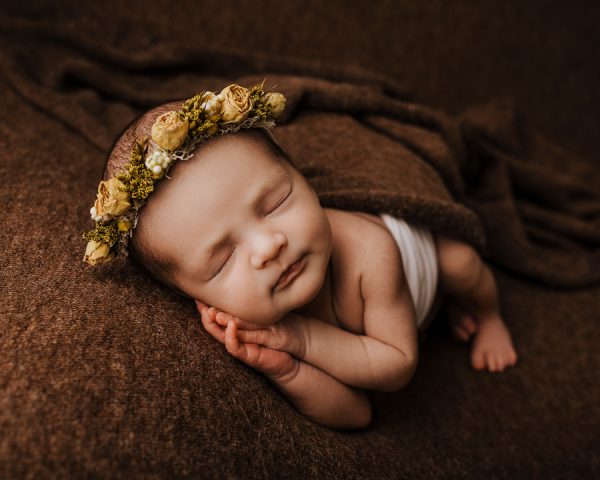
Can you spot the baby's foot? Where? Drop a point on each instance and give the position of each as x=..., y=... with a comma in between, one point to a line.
x=492, y=346
x=462, y=322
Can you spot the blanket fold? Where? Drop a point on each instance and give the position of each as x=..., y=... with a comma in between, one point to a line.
x=482, y=176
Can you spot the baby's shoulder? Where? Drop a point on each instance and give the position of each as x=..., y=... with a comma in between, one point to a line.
x=360, y=234
x=360, y=242
x=363, y=245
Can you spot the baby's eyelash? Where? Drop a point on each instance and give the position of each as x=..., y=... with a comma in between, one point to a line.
x=223, y=264
x=282, y=201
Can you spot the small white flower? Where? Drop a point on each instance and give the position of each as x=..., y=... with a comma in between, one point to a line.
x=95, y=216
x=157, y=169
x=158, y=158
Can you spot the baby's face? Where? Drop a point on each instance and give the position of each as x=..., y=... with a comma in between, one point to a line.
x=233, y=221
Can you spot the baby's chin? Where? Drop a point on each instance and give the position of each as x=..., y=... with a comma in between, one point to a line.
x=279, y=310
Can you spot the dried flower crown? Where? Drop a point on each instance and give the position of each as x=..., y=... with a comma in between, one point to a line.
x=174, y=136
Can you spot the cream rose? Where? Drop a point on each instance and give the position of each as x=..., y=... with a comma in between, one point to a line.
x=111, y=201
x=236, y=103
x=169, y=131
x=97, y=253
x=277, y=102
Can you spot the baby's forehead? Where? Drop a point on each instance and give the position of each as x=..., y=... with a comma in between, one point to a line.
x=227, y=172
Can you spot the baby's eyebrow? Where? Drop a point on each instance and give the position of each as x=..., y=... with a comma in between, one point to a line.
x=275, y=178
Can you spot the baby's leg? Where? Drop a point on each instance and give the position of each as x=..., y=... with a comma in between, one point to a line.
x=465, y=278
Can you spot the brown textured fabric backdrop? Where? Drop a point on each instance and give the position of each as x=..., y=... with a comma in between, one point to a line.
x=494, y=104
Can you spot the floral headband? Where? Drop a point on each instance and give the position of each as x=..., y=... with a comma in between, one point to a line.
x=174, y=136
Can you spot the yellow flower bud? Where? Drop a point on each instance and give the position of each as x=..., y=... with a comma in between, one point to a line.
x=211, y=128
x=277, y=102
x=213, y=109
x=111, y=201
x=123, y=225
x=169, y=131
x=97, y=253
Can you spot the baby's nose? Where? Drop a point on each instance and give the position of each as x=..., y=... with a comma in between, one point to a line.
x=267, y=249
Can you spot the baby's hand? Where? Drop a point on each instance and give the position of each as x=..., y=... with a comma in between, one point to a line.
x=274, y=363
x=287, y=335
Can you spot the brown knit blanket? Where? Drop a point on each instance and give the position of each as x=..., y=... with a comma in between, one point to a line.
x=104, y=372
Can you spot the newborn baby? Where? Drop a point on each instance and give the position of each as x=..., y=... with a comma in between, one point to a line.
x=316, y=299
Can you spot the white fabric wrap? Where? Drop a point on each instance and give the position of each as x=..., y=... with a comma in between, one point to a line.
x=419, y=260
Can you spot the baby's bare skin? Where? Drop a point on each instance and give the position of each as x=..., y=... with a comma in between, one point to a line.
x=473, y=310
x=288, y=351
x=473, y=313
x=346, y=323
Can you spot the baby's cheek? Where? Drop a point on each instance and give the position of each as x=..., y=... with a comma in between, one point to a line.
x=242, y=299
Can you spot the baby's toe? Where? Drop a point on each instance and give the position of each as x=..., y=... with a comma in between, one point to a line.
x=506, y=359
x=469, y=324
x=460, y=333
x=491, y=361
x=494, y=361
x=477, y=360
x=510, y=358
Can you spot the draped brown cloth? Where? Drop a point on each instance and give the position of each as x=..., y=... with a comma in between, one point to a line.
x=106, y=374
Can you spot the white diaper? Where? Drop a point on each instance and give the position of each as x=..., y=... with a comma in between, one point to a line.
x=419, y=259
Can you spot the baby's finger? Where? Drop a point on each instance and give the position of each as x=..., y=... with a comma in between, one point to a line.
x=262, y=337
x=246, y=325
x=231, y=341
x=214, y=329
x=212, y=313
x=203, y=309
x=216, y=332
x=222, y=318
x=205, y=314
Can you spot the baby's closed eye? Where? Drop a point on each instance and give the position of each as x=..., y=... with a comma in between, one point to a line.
x=229, y=256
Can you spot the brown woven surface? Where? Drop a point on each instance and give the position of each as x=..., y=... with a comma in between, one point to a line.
x=105, y=374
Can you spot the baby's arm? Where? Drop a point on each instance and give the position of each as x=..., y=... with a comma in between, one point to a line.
x=356, y=360
x=311, y=391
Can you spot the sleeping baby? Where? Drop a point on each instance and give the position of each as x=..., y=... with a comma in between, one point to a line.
x=325, y=303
